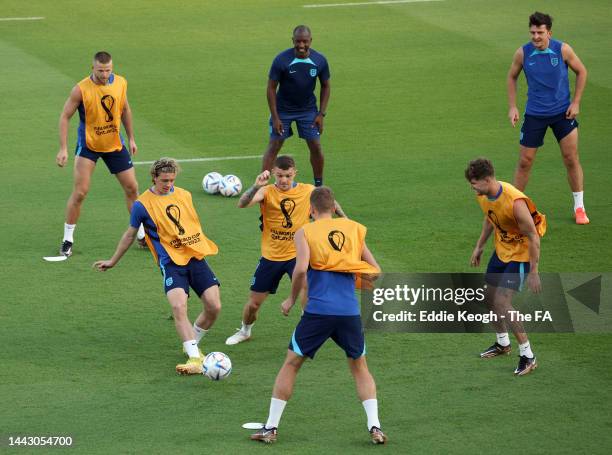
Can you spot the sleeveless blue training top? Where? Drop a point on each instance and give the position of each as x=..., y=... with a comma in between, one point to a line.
x=548, y=91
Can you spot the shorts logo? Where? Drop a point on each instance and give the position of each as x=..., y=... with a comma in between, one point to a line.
x=336, y=240
x=169, y=281
x=107, y=103
x=174, y=213
x=287, y=207
x=313, y=72
x=554, y=61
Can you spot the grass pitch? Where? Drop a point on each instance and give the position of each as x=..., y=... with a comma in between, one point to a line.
x=417, y=90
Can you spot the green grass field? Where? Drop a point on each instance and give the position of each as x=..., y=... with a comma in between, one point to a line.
x=417, y=91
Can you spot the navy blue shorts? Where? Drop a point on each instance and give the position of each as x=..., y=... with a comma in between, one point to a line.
x=534, y=129
x=269, y=273
x=304, y=122
x=116, y=162
x=196, y=273
x=314, y=329
x=509, y=275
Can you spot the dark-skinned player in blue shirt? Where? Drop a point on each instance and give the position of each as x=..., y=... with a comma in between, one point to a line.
x=291, y=84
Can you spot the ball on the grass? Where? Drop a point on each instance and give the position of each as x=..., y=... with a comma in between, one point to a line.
x=230, y=186
x=216, y=366
x=211, y=182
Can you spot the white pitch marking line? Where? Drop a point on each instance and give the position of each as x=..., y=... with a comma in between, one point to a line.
x=218, y=158
x=34, y=18
x=380, y=2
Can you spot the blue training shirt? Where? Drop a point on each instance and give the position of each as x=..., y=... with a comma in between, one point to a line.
x=548, y=91
x=331, y=293
x=297, y=80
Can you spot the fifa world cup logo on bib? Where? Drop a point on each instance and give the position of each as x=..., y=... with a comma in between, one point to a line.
x=336, y=240
x=108, y=102
x=287, y=207
x=493, y=218
x=174, y=213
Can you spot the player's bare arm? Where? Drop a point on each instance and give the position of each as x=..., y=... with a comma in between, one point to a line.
x=298, y=281
x=366, y=255
x=255, y=194
x=70, y=107
x=576, y=65
x=277, y=125
x=515, y=70
x=527, y=227
x=487, y=230
x=124, y=244
x=324, y=97
x=338, y=210
x=126, y=119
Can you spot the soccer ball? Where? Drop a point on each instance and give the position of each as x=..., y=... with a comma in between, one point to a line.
x=216, y=366
x=230, y=186
x=211, y=182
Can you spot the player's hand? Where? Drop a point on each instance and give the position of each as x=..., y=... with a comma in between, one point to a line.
x=286, y=306
x=263, y=178
x=103, y=266
x=62, y=157
x=476, y=256
x=318, y=122
x=572, y=111
x=534, y=283
x=513, y=115
x=277, y=126
x=133, y=147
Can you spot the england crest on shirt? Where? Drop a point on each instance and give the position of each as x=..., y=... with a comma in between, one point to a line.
x=554, y=61
x=313, y=72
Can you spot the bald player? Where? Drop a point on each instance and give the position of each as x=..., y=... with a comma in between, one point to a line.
x=291, y=83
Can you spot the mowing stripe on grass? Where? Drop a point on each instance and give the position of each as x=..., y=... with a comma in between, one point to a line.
x=380, y=2
x=33, y=18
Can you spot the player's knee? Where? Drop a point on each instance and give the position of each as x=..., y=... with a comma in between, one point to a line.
x=179, y=308
x=254, y=305
x=79, y=194
x=214, y=308
x=571, y=161
x=294, y=363
x=276, y=145
x=273, y=149
x=525, y=163
x=315, y=148
x=131, y=191
x=359, y=365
